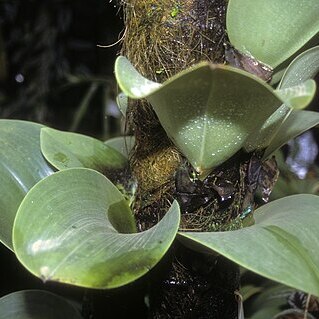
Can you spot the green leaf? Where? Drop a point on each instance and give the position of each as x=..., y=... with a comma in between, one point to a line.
x=273, y=298
x=277, y=75
x=247, y=291
x=208, y=111
x=298, y=96
x=133, y=84
x=21, y=166
x=282, y=245
x=36, y=304
x=123, y=144
x=266, y=312
x=72, y=235
x=296, y=123
x=272, y=31
x=67, y=150
x=294, y=313
x=301, y=69
x=263, y=136
x=305, y=66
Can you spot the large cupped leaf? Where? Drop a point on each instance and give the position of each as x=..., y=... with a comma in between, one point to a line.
x=76, y=227
x=208, y=110
x=21, y=166
x=67, y=150
x=282, y=245
x=36, y=304
x=273, y=30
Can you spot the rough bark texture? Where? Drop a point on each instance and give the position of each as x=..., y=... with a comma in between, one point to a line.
x=161, y=39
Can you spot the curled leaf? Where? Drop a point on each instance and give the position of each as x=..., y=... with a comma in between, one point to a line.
x=81, y=232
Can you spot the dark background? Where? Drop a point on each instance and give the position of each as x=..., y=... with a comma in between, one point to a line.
x=49, y=65
x=50, y=59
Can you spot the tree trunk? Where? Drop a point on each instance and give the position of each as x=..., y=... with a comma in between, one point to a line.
x=161, y=39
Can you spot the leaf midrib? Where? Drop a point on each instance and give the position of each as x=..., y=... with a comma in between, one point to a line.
x=211, y=91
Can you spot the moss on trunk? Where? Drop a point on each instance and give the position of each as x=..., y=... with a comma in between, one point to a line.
x=161, y=39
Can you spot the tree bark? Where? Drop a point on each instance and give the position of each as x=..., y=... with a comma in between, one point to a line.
x=161, y=39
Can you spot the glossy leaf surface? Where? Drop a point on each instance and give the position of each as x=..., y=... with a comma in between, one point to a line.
x=67, y=150
x=301, y=69
x=36, y=304
x=296, y=123
x=305, y=66
x=208, y=110
x=298, y=96
x=21, y=166
x=264, y=135
x=282, y=245
x=73, y=233
x=272, y=31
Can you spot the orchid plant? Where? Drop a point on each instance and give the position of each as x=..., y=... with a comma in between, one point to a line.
x=66, y=218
